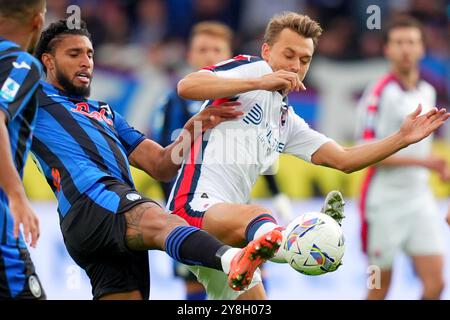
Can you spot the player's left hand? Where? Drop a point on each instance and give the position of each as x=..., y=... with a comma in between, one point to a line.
x=417, y=127
x=23, y=214
x=214, y=115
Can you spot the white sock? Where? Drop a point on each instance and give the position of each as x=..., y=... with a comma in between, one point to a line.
x=226, y=258
x=281, y=253
x=264, y=228
x=269, y=226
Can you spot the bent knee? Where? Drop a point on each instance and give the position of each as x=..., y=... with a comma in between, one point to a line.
x=157, y=221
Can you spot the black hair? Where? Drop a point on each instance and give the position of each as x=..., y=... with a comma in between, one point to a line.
x=19, y=9
x=54, y=32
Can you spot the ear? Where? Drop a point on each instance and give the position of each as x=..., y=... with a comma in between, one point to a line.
x=265, y=51
x=38, y=21
x=48, y=61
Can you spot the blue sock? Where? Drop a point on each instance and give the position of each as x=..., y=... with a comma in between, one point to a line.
x=198, y=295
x=192, y=246
x=256, y=223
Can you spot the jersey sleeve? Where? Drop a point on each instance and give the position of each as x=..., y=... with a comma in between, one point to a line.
x=242, y=66
x=128, y=136
x=302, y=141
x=19, y=77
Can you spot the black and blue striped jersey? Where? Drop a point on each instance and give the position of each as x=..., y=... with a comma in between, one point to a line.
x=77, y=142
x=19, y=77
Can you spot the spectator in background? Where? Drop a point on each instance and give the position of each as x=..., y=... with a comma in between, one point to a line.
x=56, y=9
x=184, y=14
x=151, y=26
x=253, y=21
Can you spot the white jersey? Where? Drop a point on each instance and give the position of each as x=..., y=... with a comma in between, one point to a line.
x=384, y=108
x=236, y=152
x=397, y=206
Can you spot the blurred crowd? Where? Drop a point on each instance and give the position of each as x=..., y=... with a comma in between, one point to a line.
x=129, y=34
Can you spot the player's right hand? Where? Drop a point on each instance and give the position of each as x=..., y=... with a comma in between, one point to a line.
x=216, y=114
x=417, y=127
x=24, y=215
x=285, y=81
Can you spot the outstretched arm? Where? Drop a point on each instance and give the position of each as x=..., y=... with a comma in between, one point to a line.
x=163, y=163
x=414, y=129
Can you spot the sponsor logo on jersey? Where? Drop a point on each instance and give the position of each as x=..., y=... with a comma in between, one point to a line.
x=83, y=108
x=21, y=65
x=255, y=115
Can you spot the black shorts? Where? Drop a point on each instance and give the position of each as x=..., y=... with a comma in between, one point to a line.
x=95, y=239
x=32, y=288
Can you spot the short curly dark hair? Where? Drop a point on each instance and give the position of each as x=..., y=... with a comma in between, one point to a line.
x=51, y=36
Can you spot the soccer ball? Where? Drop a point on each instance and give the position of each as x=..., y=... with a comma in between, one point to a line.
x=314, y=244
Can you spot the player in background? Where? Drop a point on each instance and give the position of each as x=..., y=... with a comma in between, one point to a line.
x=84, y=148
x=397, y=204
x=212, y=192
x=209, y=43
x=21, y=22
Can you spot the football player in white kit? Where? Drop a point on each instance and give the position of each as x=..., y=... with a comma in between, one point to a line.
x=397, y=205
x=213, y=185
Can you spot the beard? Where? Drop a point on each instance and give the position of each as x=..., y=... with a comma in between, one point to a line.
x=70, y=88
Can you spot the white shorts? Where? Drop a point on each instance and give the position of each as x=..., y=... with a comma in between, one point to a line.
x=194, y=209
x=216, y=283
x=412, y=226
